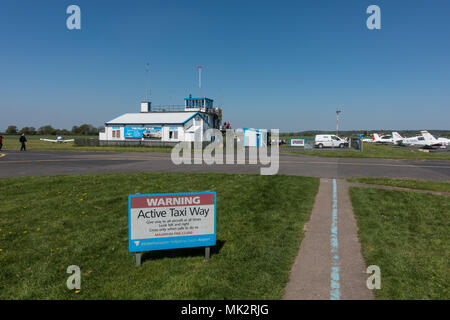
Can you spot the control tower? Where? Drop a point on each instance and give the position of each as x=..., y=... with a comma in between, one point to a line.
x=199, y=104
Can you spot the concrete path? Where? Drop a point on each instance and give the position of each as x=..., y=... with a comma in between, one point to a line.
x=329, y=264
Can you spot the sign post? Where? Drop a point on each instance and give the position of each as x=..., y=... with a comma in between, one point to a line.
x=297, y=142
x=171, y=221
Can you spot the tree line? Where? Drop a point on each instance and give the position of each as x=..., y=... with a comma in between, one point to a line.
x=82, y=130
x=365, y=133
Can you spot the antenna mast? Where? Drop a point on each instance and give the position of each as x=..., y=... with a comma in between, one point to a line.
x=147, y=90
x=337, y=121
x=199, y=68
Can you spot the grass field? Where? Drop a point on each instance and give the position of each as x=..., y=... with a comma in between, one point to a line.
x=407, y=235
x=373, y=150
x=440, y=186
x=50, y=223
x=370, y=150
x=34, y=143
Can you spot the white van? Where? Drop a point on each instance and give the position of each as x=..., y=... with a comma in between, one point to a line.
x=329, y=140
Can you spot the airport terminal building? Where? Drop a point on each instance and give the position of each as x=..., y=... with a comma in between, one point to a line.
x=163, y=124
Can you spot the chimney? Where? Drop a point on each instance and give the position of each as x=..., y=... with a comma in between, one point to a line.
x=146, y=106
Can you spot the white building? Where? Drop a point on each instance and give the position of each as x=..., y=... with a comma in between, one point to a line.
x=163, y=123
x=254, y=137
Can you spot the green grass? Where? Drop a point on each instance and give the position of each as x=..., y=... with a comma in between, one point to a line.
x=407, y=235
x=440, y=186
x=50, y=223
x=34, y=143
x=370, y=150
x=373, y=150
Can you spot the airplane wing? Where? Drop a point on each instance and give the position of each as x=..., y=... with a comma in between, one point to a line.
x=49, y=140
x=68, y=140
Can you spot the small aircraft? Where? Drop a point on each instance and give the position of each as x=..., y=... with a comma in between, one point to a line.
x=58, y=139
x=361, y=137
x=425, y=140
x=385, y=139
x=444, y=141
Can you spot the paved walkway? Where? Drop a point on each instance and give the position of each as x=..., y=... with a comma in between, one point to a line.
x=329, y=264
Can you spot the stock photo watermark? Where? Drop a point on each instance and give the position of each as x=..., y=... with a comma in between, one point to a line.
x=374, y=280
x=374, y=20
x=74, y=281
x=234, y=153
x=73, y=22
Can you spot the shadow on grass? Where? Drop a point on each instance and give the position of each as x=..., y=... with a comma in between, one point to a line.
x=180, y=253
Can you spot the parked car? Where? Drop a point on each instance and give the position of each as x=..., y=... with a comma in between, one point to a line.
x=329, y=140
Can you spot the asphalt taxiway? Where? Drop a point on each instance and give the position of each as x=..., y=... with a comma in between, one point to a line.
x=42, y=163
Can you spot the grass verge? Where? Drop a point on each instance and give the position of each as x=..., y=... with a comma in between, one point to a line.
x=440, y=186
x=50, y=223
x=373, y=150
x=34, y=143
x=407, y=235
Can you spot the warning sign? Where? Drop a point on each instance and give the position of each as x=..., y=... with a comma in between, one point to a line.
x=169, y=221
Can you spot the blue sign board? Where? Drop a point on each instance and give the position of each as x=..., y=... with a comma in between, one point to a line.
x=170, y=221
x=143, y=132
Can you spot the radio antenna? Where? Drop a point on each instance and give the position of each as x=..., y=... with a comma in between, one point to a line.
x=200, y=68
x=147, y=90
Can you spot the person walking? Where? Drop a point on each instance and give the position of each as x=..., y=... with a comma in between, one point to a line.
x=1, y=142
x=22, y=141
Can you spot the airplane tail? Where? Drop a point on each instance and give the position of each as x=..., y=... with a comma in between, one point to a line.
x=397, y=137
x=430, y=139
x=376, y=137
x=427, y=135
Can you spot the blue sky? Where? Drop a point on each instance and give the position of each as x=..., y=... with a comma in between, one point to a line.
x=270, y=64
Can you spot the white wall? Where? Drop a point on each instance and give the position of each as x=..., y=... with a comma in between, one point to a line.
x=193, y=129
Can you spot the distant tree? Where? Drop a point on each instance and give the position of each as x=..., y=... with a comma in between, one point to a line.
x=75, y=130
x=28, y=130
x=86, y=130
x=46, y=130
x=63, y=132
x=11, y=130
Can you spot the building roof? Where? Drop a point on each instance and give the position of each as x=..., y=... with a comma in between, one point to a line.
x=153, y=118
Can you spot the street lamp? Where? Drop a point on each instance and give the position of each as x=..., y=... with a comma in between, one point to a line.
x=337, y=121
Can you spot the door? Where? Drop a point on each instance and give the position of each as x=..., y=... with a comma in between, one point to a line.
x=335, y=142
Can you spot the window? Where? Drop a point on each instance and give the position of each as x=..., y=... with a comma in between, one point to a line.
x=116, y=133
x=173, y=134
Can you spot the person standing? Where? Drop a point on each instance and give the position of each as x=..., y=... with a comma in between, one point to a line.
x=22, y=141
x=1, y=142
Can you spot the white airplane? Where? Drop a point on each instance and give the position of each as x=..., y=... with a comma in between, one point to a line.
x=58, y=139
x=426, y=139
x=385, y=139
x=397, y=138
x=444, y=141
x=439, y=142
x=366, y=139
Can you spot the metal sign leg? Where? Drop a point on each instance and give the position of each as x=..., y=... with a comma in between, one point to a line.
x=138, y=258
x=207, y=253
